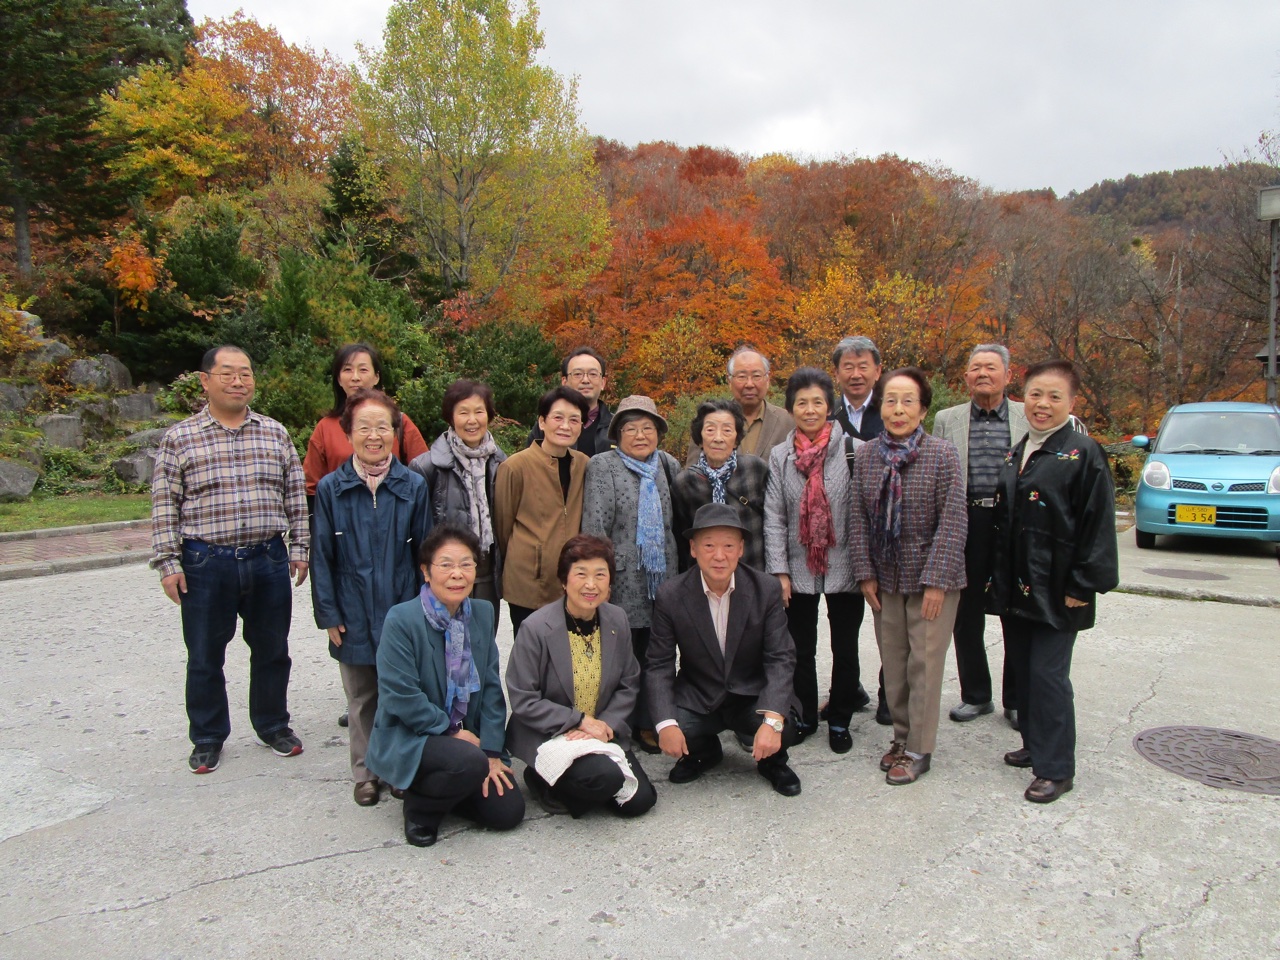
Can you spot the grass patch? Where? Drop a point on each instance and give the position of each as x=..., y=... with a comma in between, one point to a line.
x=73, y=511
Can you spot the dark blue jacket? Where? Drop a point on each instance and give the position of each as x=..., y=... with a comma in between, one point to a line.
x=364, y=557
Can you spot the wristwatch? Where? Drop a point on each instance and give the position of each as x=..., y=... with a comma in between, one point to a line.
x=775, y=723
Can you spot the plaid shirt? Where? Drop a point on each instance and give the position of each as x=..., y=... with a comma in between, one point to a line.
x=231, y=488
x=988, y=443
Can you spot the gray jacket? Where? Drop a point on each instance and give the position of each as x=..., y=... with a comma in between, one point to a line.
x=953, y=424
x=783, y=551
x=610, y=503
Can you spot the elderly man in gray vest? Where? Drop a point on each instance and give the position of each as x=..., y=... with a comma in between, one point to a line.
x=983, y=430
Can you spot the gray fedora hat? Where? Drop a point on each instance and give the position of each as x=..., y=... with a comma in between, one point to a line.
x=716, y=515
x=633, y=405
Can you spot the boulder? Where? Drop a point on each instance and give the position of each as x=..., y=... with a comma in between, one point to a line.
x=135, y=469
x=17, y=480
x=62, y=430
x=148, y=439
x=46, y=353
x=118, y=375
x=88, y=373
x=133, y=407
x=13, y=399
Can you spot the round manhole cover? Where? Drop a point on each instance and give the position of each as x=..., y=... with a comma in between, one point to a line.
x=1177, y=574
x=1220, y=758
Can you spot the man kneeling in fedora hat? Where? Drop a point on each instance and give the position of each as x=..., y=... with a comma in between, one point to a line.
x=736, y=657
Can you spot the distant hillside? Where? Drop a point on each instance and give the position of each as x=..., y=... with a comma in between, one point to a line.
x=1164, y=198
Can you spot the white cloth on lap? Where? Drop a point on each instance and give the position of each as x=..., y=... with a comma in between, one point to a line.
x=557, y=755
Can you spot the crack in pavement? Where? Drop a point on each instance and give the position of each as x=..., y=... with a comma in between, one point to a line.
x=1128, y=720
x=1210, y=887
x=152, y=901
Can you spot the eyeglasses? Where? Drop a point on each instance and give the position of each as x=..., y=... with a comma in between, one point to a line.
x=448, y=566
x=382, y=429
x=749, y=377
x=223, y=376
x=559, y=418
x=584, y=375
x=639, y=430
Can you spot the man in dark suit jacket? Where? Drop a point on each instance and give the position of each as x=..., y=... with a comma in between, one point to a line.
x=856, y=361
x=737, y=659
x=584, y=370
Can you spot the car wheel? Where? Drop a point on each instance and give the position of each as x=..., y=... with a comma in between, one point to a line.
x=1145, y=541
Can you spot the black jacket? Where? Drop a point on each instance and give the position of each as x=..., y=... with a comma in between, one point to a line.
x=594, y=439
x=1055, y=533
x=745, y=490
x=871, y=422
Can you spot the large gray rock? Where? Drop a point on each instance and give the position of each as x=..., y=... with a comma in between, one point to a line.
x=14, y=397
x=148, y=439
x=17, y=480
x=46, y=353
x=133, y=407
x=136, y=468
x=89, y=372
x=62, y=430
x=118, y=375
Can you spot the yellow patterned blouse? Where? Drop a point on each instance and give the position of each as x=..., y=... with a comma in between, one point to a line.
x=584, y=651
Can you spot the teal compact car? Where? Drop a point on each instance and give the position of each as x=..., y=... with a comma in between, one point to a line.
x=1213, y=471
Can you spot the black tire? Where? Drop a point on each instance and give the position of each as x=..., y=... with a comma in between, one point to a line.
x=1144, y=540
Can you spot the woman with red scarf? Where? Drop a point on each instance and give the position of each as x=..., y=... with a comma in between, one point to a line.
x=910, y=520
x=806, y=544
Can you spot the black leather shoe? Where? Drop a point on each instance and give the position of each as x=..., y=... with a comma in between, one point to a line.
x=689, y=768
x=1012, y=717
x=1047, y=791
x=420, y=835
x=805, y=729
x=782, y=777
x=860, y=698
x=1018, y=758
x=345, y=719
x=841, y=741
x=882, y=715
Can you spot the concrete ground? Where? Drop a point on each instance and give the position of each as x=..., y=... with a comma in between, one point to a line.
x=110, y=848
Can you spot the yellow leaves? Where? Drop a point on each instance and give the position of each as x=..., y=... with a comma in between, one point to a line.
x=180, y=129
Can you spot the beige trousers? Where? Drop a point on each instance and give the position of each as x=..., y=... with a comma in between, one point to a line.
x=913, y=653
x=360, y=683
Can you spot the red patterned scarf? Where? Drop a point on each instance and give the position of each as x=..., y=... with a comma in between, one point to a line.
x=817, y=532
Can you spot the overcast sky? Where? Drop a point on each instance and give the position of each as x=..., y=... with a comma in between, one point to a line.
x=1014, y=94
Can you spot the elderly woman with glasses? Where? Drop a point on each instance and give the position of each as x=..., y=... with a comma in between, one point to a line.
x=371, y=516
x=440, y=732
x=628, y=500
x=722, y=473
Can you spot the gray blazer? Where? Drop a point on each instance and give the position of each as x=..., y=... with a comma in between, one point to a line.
x=610, y=503
x=783, y=551
x=953, y=424
x=540, y=680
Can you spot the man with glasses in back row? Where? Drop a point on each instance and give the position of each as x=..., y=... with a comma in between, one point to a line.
x=227, y=486
x=583, y=370
x=767, y=424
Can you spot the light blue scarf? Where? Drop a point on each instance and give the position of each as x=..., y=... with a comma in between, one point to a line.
x=460, y=667
x=651, y=531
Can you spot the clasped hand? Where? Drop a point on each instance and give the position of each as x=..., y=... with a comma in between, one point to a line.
x=590, y=728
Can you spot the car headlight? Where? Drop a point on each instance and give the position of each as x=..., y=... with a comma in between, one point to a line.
x=1156, y=475
x=1273, y=485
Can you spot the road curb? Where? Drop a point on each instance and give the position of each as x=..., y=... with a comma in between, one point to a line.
x=47, y=568
x=1192, y=593
x=49, y=532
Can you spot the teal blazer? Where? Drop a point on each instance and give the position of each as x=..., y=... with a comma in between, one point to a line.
x=411, y=691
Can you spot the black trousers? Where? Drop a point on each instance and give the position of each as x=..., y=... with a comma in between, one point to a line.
x=449, y=780
x=640, y=719
x=1041, y=659
x=592, y=781
x=518, y=616
x=844, y=614
x=737, y=713
x=971, y=619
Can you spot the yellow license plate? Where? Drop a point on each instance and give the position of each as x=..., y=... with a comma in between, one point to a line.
x=1189, y=513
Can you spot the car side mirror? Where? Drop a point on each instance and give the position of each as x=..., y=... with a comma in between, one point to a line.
x=1141, y=441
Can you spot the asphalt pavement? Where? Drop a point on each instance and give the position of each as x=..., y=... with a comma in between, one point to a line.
x=110, y=848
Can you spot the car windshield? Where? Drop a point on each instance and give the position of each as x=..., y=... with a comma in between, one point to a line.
x=1240, y=433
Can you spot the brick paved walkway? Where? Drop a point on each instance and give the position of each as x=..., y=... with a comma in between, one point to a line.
x=23, y=557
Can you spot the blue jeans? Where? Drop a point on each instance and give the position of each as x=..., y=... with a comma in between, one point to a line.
x=224, y=583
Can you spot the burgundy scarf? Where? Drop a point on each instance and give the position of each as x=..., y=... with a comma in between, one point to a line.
x=817, y=532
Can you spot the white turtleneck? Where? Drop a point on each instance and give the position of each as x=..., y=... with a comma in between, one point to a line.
x=1036, y=439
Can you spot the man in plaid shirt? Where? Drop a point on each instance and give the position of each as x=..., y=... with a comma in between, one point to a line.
x=227, y=486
